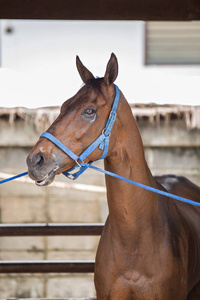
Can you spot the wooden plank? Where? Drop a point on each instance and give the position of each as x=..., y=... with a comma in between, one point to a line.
x=46, y=267
x=50, y=229
x=100, y=10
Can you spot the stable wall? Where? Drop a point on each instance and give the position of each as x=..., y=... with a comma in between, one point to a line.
x=169, y=148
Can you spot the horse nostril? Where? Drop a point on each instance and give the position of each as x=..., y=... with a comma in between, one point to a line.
x=40, y=160
x=37, y=161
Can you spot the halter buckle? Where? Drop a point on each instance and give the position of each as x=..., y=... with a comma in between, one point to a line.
x=112, y=113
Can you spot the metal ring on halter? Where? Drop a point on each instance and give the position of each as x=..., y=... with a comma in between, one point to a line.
x=104, y=131
x=78, y=163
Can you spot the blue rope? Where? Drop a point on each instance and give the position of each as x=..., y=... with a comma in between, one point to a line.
x=185, y=200
x=145, y=186
x=13, y=177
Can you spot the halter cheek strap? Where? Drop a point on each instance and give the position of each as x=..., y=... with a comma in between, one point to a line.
x=102, y=142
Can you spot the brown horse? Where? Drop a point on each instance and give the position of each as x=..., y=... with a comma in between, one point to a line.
x=150, y=245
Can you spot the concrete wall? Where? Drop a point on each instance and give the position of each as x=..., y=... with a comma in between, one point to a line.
x=170, y=148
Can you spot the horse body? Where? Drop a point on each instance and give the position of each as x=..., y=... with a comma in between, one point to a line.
x=149, y=248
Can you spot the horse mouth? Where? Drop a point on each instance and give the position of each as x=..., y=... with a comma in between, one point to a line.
x=48, y=179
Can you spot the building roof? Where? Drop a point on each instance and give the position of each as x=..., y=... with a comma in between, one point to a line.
x=154, y=114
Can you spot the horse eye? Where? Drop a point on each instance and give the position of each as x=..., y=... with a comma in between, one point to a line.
x=89, y=111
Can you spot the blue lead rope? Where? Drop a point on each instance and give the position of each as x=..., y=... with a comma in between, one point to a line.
x=13, y=177
x=143, y=186
x=146, y=187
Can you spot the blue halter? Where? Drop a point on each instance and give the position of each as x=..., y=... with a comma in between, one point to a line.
x=102, y=142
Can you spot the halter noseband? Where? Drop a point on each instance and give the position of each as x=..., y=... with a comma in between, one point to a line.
x=102, y=142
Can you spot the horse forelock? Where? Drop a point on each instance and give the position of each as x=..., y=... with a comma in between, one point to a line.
x=95, y=83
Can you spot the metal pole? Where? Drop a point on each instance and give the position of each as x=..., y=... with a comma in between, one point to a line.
x=50, y=229
x=47, y=266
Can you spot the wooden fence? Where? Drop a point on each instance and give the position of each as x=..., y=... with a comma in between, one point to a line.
x=48, y=230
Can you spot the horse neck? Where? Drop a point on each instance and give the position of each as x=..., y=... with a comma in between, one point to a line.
x=130, y=207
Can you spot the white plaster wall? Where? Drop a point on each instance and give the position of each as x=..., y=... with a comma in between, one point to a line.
x=38, y=63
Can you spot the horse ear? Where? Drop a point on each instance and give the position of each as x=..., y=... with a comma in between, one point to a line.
x=111, y=70
x=83, y=71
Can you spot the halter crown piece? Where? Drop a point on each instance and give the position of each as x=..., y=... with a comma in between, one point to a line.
x=102, y=142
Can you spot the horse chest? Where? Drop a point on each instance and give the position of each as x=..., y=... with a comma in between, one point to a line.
x=134, y=286
x=130, y=285
x=127, y=274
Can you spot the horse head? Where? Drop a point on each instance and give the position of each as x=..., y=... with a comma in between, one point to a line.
x=81, y=120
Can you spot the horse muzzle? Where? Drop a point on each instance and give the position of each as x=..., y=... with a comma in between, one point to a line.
x=39, y=170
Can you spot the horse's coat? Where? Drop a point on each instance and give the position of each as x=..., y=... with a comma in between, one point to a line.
x=150, y=245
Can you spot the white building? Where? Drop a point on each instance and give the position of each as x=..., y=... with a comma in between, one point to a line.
x=38, y=60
